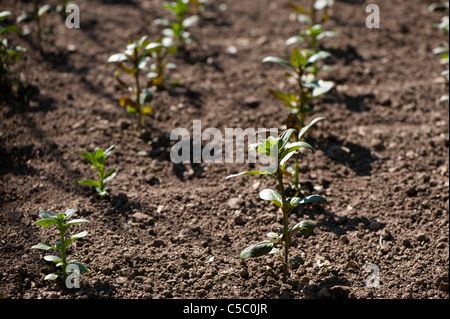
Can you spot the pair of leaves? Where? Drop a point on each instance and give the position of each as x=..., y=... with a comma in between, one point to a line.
x=299, y=59
x=98, y=159
x=292, y=202
x=279, y=149
x=305, y=228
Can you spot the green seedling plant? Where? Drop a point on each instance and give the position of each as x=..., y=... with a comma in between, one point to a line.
x=98, y=159
x=308, y=87
x=280, y=150
x=38, y=13
x=442, y=51
x=62, y=223
x=179, y=28
x=314, y=17
x=9, y=53
x=134, y=61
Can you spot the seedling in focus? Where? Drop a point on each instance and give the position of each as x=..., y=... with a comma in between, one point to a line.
x=62, y=223
x=280, y=150
x=98, y=159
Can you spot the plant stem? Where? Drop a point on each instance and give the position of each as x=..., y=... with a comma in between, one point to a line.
x=285, y=224
x=138, y=93
x=63, y=256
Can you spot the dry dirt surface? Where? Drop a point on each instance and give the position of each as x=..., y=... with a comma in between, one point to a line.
x=176, y=230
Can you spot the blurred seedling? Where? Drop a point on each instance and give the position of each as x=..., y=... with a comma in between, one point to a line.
x=134, y=61
x=280, y=150
x=313, y=18
x=178, y=29
x=442, y=51
x=308, y=87
x=37, y=15
x=98, y=159
x=70, y=269
x=9, y=53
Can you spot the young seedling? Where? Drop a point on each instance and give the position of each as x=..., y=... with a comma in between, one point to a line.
x=134, y=62
x=443, y=51
x=314, y=31
x=308, y=87
x=63, y=223
x=279, y=150
x=9, y=53
x=98, y=159
x=38, y=13
x=178, y=29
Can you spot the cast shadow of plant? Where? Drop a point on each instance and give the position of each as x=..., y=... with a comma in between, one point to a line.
x=15, y=160
x=354, y=156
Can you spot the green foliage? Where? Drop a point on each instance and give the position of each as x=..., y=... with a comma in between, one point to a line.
x=9, y=53
x=134, y=61
x=38, y=13
x=62, y=222
x=162, y=49
x=442, y=51
x=313, y=17
x=280, y=150
x=178, y=29
x=98, y=159
x=308, y=86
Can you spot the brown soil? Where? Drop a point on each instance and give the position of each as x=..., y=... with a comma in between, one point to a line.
x=176, y=231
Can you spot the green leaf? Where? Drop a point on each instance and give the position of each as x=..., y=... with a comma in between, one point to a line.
x=244, y=173
x=321, y=87
x=305, y=228
x=82, y=267
x=44, y=10
x=88, y=156
x=46, y=214
x=52, y=276
x=317, y=57
x=295, y=39
x=109, y=150
x=273, y=196
x=310, y=124
x=117, y=58
x=89, y=182
x=47, y=222
x=69, y=213
x=108, y=177
x=311, y=199
x=298, y=58
x=273, y=235
x=99, y=156
x=189, y=22
x=52, y=258
x=278, y=61
x=146, y=96
x=79, y=235
x=291, y=149
x=4, y=15
x=257, y=250
x=276, y=251
x=77, y=221
x=42, y=246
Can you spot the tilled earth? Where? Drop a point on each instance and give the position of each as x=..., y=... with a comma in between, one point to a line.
x=176, y=230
